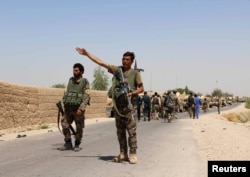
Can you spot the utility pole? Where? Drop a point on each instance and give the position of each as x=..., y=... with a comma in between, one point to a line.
x=150, y=81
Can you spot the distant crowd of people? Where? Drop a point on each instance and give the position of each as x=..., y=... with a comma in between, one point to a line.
x=155, y=106
x=167, y=106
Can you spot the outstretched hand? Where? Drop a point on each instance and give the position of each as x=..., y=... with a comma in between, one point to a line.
x=81, y=51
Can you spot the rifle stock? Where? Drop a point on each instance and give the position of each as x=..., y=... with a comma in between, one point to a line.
x=60, y=110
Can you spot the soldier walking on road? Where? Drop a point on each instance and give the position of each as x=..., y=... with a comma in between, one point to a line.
x=156, y=103
x=139, y=103
x=146, y=106
x=218, y=105
x=170, y=103
x=205, y=105
x=75, y=100
x=190, y=104
x=123, y=115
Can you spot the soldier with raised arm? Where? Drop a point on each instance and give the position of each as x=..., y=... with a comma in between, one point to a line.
x=123, y=115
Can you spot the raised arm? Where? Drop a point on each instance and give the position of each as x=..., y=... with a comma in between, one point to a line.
x=95, y=59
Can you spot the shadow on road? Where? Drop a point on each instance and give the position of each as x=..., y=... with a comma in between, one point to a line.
x=104, y=158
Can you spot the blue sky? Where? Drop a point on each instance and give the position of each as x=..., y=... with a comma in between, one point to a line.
x=202, y=44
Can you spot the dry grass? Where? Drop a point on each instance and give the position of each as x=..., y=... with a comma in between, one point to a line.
x=241, y=117
x=38, y=127
x=247, y=104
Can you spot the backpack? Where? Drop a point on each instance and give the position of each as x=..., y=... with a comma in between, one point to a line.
x=171, y=101
x=155, y=100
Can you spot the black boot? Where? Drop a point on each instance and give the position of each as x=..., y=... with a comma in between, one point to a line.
x=66, y=146
x=77, y=147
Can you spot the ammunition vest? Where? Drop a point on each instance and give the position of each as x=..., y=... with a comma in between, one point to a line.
x=72, y=98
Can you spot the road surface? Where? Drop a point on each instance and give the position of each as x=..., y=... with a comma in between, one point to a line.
x=164, y=150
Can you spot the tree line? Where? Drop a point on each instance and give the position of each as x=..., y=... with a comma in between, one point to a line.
x=102, y=82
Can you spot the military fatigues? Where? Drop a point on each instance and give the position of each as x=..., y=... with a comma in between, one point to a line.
x=191, y=106
x=218, y=105
x=76, y=97
x=156, y=103
x=170, y=103
x=123, y=116
x=146, y=108
x=205, y=105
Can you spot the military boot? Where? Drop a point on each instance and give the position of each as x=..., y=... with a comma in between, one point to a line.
x=121, y=157
x=77, y=147
x=66, y=146
x=132, y=158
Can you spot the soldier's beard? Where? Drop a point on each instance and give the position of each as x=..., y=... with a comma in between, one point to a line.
x=76, y=76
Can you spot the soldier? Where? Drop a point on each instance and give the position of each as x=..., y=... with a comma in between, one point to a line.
x=177, y=105
x=75, y=100
x=165, y=108
x=146, y=106
x=139, y=103
x=162, y=112
x=205, y=105
x=190, y=104
x=171, y=102
x=218, y=105
x=123, y=115
x=156, y=103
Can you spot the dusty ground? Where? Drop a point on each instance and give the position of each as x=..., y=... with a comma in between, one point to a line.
x=10, y=134
x=220, y=139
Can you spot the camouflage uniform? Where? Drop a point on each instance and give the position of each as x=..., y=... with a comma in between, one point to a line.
x=218, y=105
x=123, y=116
x=156, y=105
x=205, y=105
x=191, y=106
x=70, y=113
x=146, y=107
x=171, y=102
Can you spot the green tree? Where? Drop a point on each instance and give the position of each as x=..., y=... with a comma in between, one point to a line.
x=217, y=93
x=226, y=94
x=186, y=90
x=180, y=90
x=59, y=86
x=101, y=79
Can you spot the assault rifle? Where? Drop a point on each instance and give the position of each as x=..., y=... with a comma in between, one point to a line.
x=139, y=69
x=60, y=111
x=124, y=90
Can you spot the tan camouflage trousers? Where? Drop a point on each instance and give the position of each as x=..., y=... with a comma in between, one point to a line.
x=68, y=119
x=124, y=125
x=156, y=111
x=191, y=111
x=218, y=108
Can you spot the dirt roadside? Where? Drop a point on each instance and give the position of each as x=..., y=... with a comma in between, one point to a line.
x=220, y=139
x=22, y=132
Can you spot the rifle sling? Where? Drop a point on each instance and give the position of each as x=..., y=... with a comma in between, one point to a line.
x=58, y=121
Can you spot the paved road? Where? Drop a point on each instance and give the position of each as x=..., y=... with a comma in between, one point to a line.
x=165, y=150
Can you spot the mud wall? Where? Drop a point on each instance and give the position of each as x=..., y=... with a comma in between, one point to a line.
x=22, y=106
